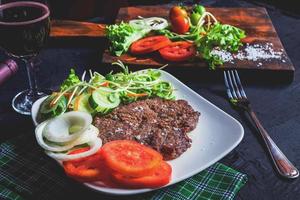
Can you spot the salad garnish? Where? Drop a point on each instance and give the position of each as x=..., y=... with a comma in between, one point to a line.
x=100, y=94
x=207, y=33
x=198, y=26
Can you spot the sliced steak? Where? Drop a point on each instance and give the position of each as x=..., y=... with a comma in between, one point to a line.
x=160, y=124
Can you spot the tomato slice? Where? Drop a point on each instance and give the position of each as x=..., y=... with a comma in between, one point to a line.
x=149, y=44
x=178, y=51
x=160, y=177
x=130, y=158
x=91, y=168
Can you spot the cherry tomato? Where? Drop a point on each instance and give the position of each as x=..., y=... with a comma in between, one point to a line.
x=160, y=177
x=177, y=11
x=130, y=158
x=178, y=51
x=180, y=25
x=149, y=44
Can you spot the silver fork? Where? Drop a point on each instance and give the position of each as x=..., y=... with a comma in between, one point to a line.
x=238, y=98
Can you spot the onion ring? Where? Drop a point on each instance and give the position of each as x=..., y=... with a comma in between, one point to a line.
x=94, y=144
x=90, y=134
x=58, y=128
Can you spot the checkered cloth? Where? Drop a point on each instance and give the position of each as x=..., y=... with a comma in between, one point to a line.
x=216, y=182
x=27, y=173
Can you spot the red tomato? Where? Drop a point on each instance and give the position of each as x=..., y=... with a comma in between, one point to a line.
x=177, y=11
x=149, y=44
x=104, y=84
x=178, y=51
x=130, y=158
x=85, y=169
x=160, y=177
x=180, y=24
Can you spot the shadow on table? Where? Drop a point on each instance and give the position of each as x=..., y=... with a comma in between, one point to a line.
x=77, y=42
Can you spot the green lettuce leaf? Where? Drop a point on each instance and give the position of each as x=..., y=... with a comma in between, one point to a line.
x=121, y=36
x=71, y=80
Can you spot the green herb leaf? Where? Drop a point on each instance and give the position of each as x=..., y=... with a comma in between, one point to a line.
x=122, y=35
x=223, y=36
x=72, y=79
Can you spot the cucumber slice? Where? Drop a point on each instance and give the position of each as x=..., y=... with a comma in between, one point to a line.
x=81, y=103
x=104, y=100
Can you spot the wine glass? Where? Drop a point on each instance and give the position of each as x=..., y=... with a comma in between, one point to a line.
x=24, y=29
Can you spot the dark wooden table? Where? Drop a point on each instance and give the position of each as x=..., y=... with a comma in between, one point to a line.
x=277, y=105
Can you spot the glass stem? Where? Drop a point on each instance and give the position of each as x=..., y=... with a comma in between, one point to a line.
x=31, y=73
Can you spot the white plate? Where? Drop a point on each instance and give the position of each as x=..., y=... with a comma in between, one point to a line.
x=216, y=134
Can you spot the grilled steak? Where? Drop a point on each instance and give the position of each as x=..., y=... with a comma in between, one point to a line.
x=160, y=124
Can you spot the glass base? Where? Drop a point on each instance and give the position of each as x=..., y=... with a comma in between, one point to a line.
x=24, y=100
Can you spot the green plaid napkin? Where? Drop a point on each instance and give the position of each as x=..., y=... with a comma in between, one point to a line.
x=27, y=173
x=216, y=182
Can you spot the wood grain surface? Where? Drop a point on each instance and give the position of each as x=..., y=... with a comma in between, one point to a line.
x=255, y=21
x=68, y=28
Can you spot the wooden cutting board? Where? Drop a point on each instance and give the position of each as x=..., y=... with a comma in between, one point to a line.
x=255, y=21
x=69, y=28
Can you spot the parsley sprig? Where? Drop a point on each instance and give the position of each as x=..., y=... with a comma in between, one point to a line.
x=223, y=36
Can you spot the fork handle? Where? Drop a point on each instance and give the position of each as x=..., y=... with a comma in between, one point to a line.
x=283, y=165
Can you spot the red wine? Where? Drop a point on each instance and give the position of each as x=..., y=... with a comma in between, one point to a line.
x=24, y=27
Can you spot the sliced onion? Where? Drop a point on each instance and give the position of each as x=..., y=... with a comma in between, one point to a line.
x=90, y=134
x=156, y=23
x=94, y=144
x=152, y=23
x=58, y=128
x=138, y=24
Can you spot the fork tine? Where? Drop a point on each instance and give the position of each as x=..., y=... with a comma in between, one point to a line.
x=240, y=84
x=235, y=85
x=231, y=85
x=227, y=86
